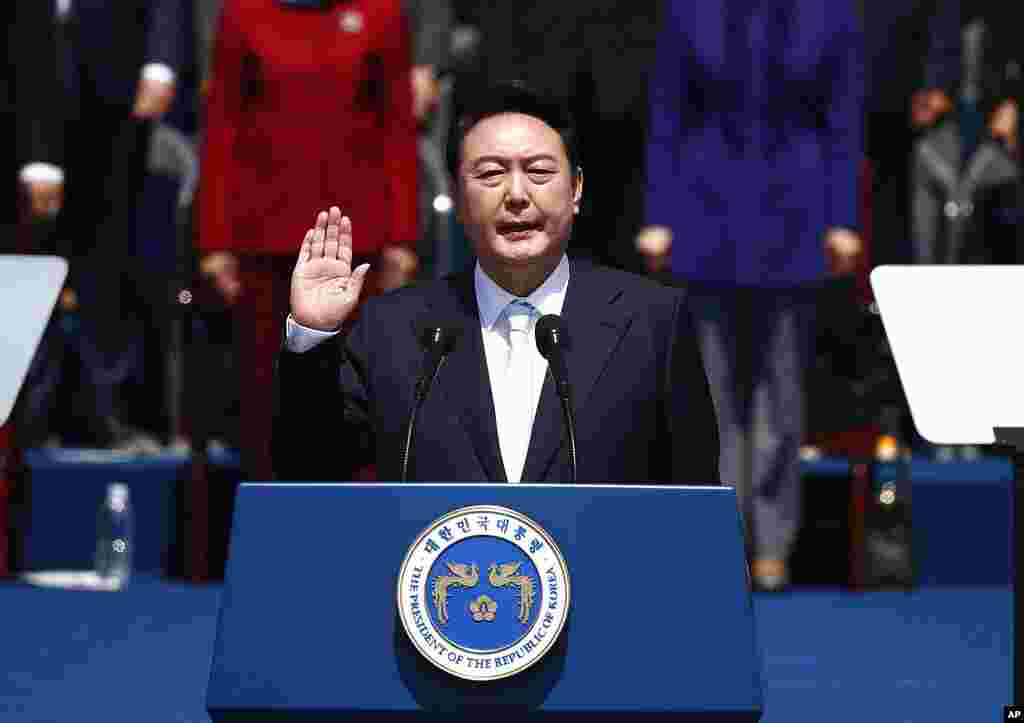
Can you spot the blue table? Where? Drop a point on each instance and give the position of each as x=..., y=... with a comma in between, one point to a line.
x=961, y=516
x=139, y=655
x=143, y=655
x=66, y=489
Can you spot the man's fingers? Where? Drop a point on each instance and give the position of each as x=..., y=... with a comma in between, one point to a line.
x=331, y=239
x=345, y=239
x=317, y=245
x=334, y=223
x=331, y=243
x=305, y=248
x=355, y=282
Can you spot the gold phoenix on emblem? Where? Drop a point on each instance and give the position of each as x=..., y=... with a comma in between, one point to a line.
x=505, y=575
x=462, y=576
x=467, y=575
x=483, y=609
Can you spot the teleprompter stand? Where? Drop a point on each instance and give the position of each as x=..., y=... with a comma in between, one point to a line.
x=1013, y=438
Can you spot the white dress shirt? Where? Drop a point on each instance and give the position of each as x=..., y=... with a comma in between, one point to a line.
x=491, y=300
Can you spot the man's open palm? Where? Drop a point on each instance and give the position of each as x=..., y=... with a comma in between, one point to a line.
x=325, y=289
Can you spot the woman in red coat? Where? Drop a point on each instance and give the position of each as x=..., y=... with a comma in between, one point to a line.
x=309, y=105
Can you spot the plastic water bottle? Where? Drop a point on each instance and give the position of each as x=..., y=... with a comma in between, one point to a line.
x=114, y=538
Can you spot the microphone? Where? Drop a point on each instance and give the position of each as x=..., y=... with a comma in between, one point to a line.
x=552, y=340
x=437, y=340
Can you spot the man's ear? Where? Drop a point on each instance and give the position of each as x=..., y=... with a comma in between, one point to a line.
x=577, y=195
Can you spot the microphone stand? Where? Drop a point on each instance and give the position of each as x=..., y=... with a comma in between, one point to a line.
x=422, y=386
x=570, y=425
x=549, y=333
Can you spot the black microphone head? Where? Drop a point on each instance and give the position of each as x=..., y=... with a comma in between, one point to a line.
x=437, y=334
x=550, y=333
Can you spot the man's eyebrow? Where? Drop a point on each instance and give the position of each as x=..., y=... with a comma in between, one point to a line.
x=492, y=158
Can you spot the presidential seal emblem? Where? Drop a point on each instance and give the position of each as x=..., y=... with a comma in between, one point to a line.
x=483, y=592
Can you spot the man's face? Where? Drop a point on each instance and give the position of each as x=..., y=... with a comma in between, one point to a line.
x=517, y=198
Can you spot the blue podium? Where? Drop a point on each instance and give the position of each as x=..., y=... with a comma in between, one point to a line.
x=660, y=621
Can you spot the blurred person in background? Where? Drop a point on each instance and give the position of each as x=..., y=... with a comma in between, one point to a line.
x=752, y=166
x=116, y=62
x=123, y=57
x=912, y=69
x=32, y=103
x=959, y=162
x=429, y=21
x=1001, y=207
x=965, y=167
x=431, y=25
x=912, y=63
x=309, y=102
x=32, y=106
x=1002, y=75
x=213, y=389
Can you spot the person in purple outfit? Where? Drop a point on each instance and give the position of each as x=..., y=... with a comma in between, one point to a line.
x=752, y=169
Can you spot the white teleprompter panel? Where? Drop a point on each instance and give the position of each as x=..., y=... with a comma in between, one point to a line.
x=957, y=335
x=29, y=286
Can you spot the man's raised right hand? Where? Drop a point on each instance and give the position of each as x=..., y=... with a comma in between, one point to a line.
x=325, y=288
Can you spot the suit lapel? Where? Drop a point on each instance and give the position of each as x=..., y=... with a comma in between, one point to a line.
x=596, y=318
x=466, y=381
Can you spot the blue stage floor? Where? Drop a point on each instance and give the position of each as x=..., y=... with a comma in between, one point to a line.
x=928, y=656
x=936, y=654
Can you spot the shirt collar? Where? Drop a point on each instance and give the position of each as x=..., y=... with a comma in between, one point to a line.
x=548, y=298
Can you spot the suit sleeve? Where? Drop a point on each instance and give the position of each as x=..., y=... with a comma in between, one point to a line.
x=38, y=97
x=311, y=440
x=165, y=33
x=844, y=142
x=401, y=136
x=926, y=207
x=222, y=116
x=690, y=420
x=666, y=103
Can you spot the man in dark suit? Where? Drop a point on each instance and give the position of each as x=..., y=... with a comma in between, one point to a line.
x=642, y=403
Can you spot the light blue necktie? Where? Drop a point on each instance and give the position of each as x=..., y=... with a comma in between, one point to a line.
x=515, y=422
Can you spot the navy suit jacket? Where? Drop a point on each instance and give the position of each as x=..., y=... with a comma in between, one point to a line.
x=115, y=38
x=643, y=408
x=755, y=136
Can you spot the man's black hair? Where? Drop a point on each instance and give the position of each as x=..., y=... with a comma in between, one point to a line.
x=514, y=96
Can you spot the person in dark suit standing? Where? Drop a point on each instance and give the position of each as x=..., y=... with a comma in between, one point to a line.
x=643, y=408
x=31, y=109
x=32, y=106
x=123, y=59
x=1002, y=70
x=912, y=70
x=753, y=155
